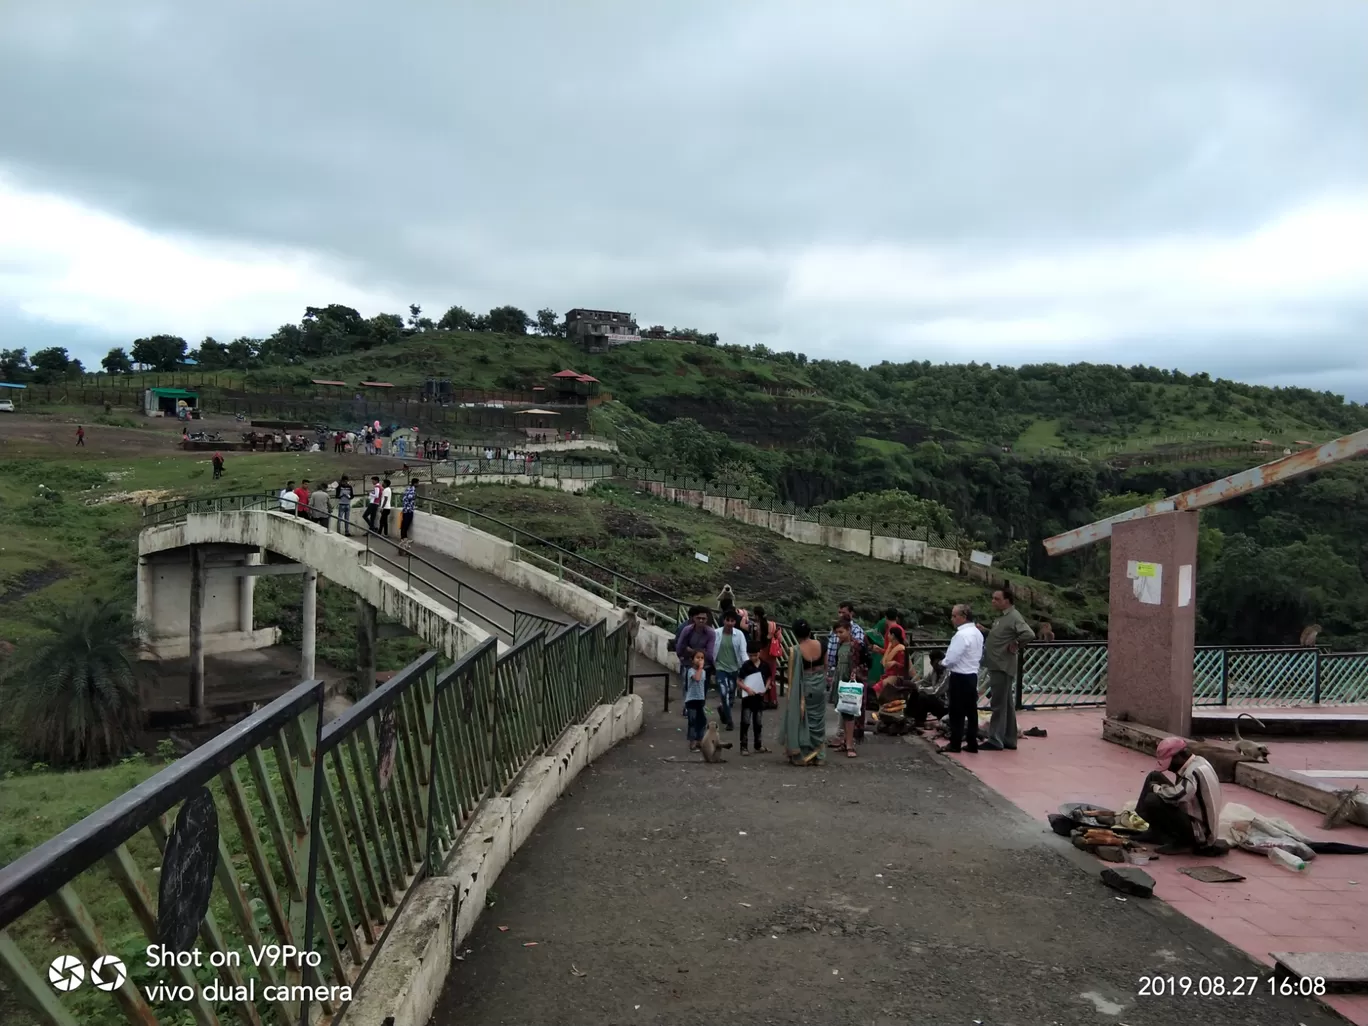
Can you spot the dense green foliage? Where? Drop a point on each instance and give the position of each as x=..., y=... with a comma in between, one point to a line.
x=74, y=694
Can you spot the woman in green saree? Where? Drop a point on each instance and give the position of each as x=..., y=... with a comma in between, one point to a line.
x=802, y=730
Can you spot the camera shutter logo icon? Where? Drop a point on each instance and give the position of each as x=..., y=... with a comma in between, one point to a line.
x=108, y=972
x=66, y=972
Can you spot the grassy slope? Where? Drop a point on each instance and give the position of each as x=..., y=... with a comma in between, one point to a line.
x=1182, y=419
x=655, y=541
x=477, y=360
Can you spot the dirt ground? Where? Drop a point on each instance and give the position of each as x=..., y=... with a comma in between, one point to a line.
x=55, y=435
x=891, y=888
x=47, y=435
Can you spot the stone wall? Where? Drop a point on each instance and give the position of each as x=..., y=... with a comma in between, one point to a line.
x=808, y=532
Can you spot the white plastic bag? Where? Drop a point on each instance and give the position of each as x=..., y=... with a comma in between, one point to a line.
x=850, y=697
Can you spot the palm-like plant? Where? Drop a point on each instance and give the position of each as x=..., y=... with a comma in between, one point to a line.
x=74, y=693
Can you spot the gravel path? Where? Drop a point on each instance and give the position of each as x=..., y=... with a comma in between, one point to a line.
x=892, y=888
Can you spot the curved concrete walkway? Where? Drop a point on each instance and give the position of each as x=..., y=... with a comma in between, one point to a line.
x=891, y=888
x=336, y=557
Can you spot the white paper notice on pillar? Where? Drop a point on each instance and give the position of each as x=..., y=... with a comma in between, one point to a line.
x=1185, y=584
x=1147, y=581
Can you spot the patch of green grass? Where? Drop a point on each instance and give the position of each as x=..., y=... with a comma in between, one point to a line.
x=883, y=446
x=1041, y=434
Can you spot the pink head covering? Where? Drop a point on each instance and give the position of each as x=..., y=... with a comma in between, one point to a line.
x=1168, y=748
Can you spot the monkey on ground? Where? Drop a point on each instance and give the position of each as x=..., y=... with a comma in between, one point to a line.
x=710, y=746
x=1251, y=750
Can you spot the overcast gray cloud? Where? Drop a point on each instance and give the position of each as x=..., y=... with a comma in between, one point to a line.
x=1171, y=183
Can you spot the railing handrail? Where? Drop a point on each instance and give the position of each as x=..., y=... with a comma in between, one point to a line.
x=336, y=731
x=561, y=549
x=29, y=879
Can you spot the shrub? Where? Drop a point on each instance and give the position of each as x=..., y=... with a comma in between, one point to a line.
x=74, y=696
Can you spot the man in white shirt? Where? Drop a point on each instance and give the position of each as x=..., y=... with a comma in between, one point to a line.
x=288, y=500
x=962, y=660
x=386, y=504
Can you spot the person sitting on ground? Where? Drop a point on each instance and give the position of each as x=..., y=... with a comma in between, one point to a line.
x=1183, y=814
x=930, y=696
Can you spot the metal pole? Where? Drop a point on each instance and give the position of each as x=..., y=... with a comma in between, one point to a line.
x=1020, y=674
x=1315, y=678
x=1225, y=675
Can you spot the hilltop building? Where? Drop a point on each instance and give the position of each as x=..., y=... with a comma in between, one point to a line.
x=599, y=330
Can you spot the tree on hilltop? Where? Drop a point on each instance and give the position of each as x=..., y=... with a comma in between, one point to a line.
x=159, y=352
x=548, y=323
x=457, y=318
x=53, y=364
x=508, y=320
x=116, y=361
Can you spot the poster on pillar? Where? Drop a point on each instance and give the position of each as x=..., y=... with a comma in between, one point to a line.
x=1147, y=581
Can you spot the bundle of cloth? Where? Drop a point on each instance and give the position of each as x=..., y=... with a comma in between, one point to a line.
x=1242, y=827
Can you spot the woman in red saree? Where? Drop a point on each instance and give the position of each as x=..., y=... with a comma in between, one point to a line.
x=894, y=656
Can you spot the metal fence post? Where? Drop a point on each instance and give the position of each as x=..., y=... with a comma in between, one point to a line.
x=1020, y=673
x=1225, y=676
x=1316, y=678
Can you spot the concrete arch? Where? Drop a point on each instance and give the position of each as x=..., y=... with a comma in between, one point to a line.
x=166, y=568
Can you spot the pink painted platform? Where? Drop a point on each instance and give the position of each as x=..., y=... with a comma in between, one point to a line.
x=1324, y=909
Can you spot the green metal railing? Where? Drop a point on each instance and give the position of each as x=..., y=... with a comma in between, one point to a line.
x=1075, y=673
x=322, y=833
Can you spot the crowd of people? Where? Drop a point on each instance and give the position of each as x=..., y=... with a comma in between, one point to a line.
x=862, y=671
x=316, y=505
x=374, y=440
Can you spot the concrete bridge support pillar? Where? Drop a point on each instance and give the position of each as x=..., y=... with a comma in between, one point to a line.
x=197, y=576
x=144, y=607
x=247, y=595
x=366, y=633
x=1150, y=634
x=308, y=641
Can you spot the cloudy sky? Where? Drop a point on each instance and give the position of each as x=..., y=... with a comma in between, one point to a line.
x=995, y=180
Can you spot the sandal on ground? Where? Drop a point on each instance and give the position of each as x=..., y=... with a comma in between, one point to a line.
x=852, y=754
x=762, y=751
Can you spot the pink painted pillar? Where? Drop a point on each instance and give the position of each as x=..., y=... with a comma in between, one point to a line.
x=1153, y=616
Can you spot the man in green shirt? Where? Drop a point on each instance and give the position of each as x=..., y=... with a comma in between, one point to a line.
x=1000, y=649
